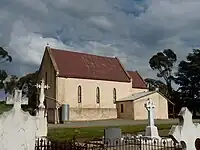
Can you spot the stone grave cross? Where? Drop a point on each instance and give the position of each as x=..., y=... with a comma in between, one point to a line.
x=150, y=107
x=186, y=132
x=41, y=114
x=42, y=87
x=151, y=129
x=12, y=99
x=17, y=128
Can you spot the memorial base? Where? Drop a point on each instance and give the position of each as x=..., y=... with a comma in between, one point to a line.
x=152, y=131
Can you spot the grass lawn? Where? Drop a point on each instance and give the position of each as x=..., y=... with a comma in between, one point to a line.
x=4, y=107
x=89, y=133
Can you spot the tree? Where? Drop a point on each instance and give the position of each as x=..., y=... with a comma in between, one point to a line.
x=11, y=84
x=188, y=78
x=27, y=85
x=153, y=84
x=163, y=62
x=4, y=57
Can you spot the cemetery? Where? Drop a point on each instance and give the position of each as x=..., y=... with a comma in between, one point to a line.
x=28, y=132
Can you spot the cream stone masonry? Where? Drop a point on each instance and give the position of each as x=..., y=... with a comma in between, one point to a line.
x=133, y=106
x=89, y=109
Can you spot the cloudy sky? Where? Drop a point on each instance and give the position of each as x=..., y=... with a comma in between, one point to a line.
x=132, y=30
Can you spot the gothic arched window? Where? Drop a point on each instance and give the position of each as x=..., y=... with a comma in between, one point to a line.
x=79, y=94
x=98, y=95
x=114, y=95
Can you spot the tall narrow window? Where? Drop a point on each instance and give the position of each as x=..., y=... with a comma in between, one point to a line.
x=114, y=96
x=79, y=94
x=98, y=95
x=45, y=78
x=122, y=108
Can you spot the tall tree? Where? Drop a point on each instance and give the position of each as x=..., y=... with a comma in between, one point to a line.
x=163, y=62
x=4, y=57
x=188, y=78
x=11, y=84
x=26, y=84
x=153, y=84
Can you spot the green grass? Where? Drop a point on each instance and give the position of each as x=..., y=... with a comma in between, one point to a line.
x=4, y=107
x=90, y=133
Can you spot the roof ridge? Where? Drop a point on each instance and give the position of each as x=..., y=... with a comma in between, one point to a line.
x=92, y=66
x=82, y=53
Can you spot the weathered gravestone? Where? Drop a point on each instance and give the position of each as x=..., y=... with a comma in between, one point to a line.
x=17, y=128
x=186, y=132
x=151, y=129
x=112, y=136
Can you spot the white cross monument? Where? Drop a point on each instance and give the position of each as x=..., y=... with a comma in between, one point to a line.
x=151, y=129
x=186, y=132
x=42, y=87
x=17, y=128
x=42, y=121
x=11, y=99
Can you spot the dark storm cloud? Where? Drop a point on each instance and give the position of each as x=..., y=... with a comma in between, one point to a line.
x=131, y=30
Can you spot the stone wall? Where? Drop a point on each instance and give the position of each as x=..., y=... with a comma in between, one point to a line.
x=127, y=112
x=77, y=114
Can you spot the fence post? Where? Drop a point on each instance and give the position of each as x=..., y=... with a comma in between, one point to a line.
x=38, y=144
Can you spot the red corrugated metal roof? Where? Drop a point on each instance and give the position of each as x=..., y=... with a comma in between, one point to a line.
x=88, y=66
x=137, y=81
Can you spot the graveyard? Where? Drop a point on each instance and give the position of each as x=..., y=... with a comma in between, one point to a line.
x=90, y=133
x=35, y=134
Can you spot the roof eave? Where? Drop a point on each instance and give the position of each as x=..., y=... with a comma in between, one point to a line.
x=52, y=60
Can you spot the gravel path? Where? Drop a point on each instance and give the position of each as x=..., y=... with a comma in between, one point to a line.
x=113, y=122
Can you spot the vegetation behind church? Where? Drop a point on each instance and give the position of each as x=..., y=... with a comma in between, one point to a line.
x=187, y=77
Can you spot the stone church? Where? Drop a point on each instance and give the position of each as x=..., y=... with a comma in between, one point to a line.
x=91, y=85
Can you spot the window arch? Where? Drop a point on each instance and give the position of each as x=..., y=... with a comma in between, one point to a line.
x=79, y=94
x=114, y=95
x=98, y=95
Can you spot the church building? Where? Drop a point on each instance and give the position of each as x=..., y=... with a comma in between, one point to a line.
x=91, y=85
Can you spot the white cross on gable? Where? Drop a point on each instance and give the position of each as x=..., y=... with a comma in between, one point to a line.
x=186, y=132
x=12, y=99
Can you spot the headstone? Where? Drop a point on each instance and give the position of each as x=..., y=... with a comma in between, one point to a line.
x=11, y=100
x=41, y=115
x=112, y=136
x=186, y=132
x=17, y=128
x=151, y=129
x=42, y=87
